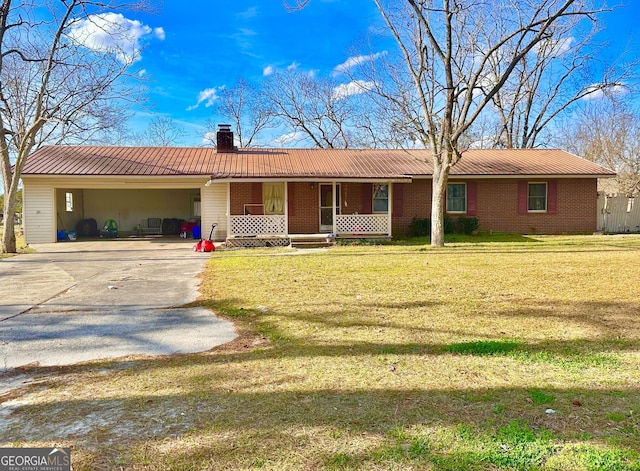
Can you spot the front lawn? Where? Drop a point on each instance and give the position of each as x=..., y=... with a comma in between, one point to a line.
x=521, y=355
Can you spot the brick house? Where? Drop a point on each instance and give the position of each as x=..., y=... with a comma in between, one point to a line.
x=276, y=193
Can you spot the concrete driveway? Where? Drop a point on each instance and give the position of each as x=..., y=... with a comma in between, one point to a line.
x=79, y=301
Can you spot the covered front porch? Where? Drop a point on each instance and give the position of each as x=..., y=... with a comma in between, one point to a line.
x=277, y=212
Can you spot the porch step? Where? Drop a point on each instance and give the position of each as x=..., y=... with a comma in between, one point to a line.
x=310, y=241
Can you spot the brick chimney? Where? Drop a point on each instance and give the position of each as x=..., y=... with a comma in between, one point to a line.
x=224, y=139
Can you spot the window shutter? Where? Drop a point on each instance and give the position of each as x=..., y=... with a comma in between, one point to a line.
x=398, y=199
x=256, y=198
x=552, y=197
x=291, y=197
x=256, y=193
x=523, y=197
x=367, y=198
x=472, y=190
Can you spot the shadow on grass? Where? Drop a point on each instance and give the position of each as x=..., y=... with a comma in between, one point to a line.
x=198, y=421
x=401, y=426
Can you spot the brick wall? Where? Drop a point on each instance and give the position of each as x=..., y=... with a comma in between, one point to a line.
x=577, y=208
x=241, y=194
x=416, y=199
x=497, y=205
x=304, y=216
x=351, y=196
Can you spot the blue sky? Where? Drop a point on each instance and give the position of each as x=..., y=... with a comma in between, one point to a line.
x=212, y=44
x=190, y=49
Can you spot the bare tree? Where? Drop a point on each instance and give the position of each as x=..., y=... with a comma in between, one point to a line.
x=322, y=112
x=162, y=131
x=447, y=76
x=56, y=85
x=556, y=74
x=246, y=108
x=607, y=131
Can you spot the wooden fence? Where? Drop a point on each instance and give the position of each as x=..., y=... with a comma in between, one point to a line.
x=618, y=214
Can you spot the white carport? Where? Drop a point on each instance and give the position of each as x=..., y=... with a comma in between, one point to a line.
x=55, y=202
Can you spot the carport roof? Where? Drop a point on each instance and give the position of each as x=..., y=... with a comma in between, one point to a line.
x=300, y=163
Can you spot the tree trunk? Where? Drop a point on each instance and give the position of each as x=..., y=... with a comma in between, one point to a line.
x=438, y=187
x=8, y=230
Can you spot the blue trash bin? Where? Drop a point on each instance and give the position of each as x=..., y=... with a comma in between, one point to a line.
x=197, y=232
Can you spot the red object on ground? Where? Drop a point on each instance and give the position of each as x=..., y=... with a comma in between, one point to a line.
x=206, y=245
x=186, y=227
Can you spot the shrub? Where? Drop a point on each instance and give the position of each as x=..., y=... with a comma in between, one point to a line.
x=420, y=227
x=449, y=225
x=468, y=225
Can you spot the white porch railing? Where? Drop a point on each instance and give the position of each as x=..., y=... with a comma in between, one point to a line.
x=253, y=225
x=362, y=224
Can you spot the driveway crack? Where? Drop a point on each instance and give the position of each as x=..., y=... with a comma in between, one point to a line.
x=36, y=306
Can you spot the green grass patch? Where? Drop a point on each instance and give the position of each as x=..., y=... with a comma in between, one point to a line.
x=539, y=397
x=616, y=417
x=482, y=348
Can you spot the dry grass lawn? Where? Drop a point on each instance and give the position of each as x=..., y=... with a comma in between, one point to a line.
x=480, y=356
x=20, y=244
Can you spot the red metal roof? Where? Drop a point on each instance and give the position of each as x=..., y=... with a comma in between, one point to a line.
x=299, y=163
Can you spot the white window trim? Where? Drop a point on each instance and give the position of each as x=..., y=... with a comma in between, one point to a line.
x=546, y=197
x=446, y=203
x=373, y=199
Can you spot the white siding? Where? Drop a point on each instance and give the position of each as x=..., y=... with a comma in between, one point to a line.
x=214, y=210
x=39, y=218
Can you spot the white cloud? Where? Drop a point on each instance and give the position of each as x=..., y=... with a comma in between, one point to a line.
x=268, y=70
x=207, y=96
x=142, y=72
x=293, y=66
x=352, y=88
x=249, y=13
x=209, y=138
x=596, y=93
x=160, y=34
x=351, y=62
x=554, y=47
x=112, y=32
x=247, y=32
x=288, y=139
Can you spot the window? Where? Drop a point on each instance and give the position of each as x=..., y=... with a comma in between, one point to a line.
x=380, y=198
x=456, y=198
x=537, y=197
x=68, y=198
x=273, y=198
x=196, y=206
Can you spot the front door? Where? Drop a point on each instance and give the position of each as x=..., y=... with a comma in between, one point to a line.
x=326, y=206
